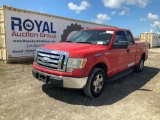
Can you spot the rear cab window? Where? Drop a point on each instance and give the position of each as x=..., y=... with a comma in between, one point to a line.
x=130, y=38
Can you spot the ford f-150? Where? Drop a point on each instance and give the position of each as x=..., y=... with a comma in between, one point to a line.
x=88, y=58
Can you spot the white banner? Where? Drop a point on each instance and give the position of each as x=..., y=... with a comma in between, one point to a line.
x=27, y=31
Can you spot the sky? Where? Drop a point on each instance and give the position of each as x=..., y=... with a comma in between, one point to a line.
x=137, y=15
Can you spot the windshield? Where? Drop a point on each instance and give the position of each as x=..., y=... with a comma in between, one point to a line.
x=102, y=37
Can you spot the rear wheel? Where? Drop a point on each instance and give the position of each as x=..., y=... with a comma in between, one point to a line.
x=95, y=83
x=140, y=66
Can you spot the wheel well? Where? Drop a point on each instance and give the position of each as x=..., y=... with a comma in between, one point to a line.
x=102, y=66
x=143, y=56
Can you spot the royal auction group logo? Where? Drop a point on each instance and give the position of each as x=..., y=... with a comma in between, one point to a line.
x=32, y=28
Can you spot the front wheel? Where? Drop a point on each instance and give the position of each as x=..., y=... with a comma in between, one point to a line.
x=95, y=83
x=140, y=66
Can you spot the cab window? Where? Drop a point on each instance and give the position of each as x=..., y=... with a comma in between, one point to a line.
x=120, y=36
x=130, y=39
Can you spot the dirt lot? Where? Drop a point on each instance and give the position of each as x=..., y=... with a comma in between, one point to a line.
x=133, y=97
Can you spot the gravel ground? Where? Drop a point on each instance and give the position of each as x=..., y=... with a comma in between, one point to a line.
x=133, y=97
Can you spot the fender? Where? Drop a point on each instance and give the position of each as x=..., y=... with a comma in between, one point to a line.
x=94, y=61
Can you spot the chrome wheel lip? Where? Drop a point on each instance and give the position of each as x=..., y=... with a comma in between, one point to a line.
x=98, y=83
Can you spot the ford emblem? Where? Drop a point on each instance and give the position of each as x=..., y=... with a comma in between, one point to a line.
x=45, y=59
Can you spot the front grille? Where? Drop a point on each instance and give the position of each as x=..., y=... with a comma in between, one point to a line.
x=52, y=59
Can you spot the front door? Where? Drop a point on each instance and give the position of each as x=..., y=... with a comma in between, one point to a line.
x=117, y=56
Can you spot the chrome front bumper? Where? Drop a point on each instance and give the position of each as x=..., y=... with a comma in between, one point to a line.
x=66, y=82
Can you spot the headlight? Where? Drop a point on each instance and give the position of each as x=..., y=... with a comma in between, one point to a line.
x=74, y=63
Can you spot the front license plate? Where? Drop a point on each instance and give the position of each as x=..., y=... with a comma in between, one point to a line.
x=43, y=78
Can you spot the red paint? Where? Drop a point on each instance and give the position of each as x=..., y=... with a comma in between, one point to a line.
x=116, y=60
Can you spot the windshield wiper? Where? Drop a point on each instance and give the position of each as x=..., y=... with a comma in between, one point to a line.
x=85, y=42
x=65, y=41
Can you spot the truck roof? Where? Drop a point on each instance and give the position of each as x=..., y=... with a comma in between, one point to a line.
x=107, y=28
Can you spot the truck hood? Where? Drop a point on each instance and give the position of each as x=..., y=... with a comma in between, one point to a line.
x=76, y=49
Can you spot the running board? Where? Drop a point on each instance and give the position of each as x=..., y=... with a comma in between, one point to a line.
x=119, y=75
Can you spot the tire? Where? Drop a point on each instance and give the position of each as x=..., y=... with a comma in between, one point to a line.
x=95, y=83
x=140, y=66
x=69, y=29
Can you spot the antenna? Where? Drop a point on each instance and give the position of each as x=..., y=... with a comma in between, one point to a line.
x=157, y=28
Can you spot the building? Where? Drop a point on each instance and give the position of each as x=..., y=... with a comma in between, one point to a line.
x=2, y=35
x=152, y=38
x=137, y=39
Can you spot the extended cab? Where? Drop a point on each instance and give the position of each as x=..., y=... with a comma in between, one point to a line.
x=88, y=58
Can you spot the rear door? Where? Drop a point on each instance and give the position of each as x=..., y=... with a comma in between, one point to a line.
x=131, y=51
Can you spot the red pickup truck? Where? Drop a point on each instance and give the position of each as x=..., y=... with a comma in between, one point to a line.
x=88, y=58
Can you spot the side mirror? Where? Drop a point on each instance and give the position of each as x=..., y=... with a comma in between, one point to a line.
x=121, y=44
